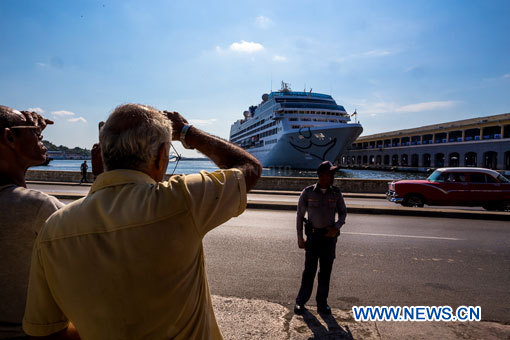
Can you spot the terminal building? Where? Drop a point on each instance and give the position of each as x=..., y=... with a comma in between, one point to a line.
x=477, y=142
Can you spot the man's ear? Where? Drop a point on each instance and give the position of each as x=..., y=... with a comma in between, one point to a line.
x=161, y=155
x=7, y=137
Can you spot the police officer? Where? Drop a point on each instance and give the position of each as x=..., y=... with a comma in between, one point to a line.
x=322, y=201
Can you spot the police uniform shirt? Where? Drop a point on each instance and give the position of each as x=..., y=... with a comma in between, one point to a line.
x=321, y=207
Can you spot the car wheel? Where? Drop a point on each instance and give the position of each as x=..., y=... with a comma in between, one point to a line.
x=413, y=200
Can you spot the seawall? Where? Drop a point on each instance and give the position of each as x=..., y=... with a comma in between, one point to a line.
x=351, y=185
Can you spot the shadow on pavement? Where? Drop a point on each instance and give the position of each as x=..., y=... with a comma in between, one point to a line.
x=333, y=331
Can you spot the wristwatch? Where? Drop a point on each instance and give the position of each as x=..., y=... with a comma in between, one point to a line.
x=182, y=136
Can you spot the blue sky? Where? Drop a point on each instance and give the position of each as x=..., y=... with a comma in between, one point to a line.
x=400, y=64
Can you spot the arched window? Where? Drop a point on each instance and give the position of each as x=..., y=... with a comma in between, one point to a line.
x=415, y=160
x=387, y=159
x=470, y=159
x=454, y=159
x=426, y=160
x=439, y=160
x=404, y=160
x=490, y=160
x=394, y=160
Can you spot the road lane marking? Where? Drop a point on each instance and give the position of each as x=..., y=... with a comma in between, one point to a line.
x=406, y=236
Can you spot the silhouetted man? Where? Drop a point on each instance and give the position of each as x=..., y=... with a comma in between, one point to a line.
x=23, y=211
x=84, y=167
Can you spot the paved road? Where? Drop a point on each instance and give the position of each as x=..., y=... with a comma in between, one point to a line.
x=373, y=202
x=381, y=260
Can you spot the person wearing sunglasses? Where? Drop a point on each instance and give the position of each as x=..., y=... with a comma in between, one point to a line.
x=23, y=211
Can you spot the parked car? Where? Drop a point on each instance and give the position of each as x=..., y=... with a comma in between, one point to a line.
x=454, y=186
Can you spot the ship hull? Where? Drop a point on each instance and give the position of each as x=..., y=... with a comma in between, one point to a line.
x=307, y=148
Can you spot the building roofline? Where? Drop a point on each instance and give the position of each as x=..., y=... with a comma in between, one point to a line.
x=430, y=128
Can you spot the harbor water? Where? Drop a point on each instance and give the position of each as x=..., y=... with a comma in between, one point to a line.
x=186, y=166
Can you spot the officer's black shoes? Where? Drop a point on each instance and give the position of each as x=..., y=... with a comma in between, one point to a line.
x=299, y=309
x=324, y=310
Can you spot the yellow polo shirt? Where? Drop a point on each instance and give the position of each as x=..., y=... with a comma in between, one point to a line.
x=126, y=261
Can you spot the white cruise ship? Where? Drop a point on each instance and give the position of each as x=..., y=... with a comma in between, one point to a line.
x=298, y=130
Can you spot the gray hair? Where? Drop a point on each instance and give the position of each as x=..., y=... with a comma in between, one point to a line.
x=132, y=135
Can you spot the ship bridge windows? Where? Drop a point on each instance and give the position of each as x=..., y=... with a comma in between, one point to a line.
x=293, y=119
x=472, y=134
x=305, y=119
x=455, y=136
x=240, y=135
x=491, y=132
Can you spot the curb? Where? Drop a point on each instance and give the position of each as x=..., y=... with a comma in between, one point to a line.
x=362, y=209
x=422, y=212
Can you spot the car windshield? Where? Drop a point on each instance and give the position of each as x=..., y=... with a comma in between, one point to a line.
x=503, y=179
x=436, y=176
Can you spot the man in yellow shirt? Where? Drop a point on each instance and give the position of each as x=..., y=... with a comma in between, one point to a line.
x=126, y=261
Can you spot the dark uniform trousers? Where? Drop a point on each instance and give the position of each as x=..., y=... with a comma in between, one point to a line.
x=319, y=250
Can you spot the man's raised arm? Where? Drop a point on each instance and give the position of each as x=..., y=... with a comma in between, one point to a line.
x=224, y=154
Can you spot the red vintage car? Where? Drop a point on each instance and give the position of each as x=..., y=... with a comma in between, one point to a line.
x=454, y=186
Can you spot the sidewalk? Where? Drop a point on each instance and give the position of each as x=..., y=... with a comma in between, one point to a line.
x=257, y=319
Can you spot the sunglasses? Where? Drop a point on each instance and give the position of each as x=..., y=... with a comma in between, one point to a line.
x=35, y=129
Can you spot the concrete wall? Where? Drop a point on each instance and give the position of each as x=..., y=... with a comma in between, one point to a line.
x=351, y=185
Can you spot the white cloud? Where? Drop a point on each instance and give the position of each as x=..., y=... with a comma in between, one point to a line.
x=36, y=109
x=506, y=76
x=279, y=58
x=375, y=108
x=246, y=47
x=367, y=54
x=263, y=22
x=202, y=121
x=62, y=113
x=75, y=120
x=41, y=64
x=375, y=53
x=427, y=106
